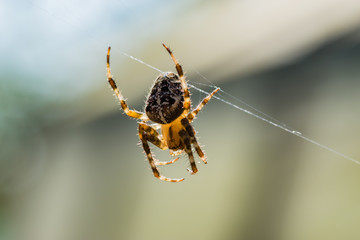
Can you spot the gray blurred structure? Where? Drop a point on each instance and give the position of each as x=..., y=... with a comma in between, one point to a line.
x=70, y=167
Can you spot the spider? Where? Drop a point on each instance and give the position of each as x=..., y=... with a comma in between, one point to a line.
x=168, y=106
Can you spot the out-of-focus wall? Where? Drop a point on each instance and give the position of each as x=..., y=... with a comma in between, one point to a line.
x=70, y=166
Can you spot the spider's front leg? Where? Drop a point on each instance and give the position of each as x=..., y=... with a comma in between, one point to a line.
x=193, y=113
x=130, y=113
x=187, y=100
x=148, y=134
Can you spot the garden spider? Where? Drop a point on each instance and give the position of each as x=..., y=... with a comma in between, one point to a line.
x=168, y=106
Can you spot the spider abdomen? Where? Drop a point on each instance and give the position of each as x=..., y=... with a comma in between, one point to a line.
x=165, y=102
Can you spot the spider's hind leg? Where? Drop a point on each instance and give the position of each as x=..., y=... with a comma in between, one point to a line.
x=187, y=145
x=190, y=131
x=155, y=138
x=175, y=153
x=147, y=133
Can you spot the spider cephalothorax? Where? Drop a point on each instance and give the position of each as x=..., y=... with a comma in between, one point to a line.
x=168, y=105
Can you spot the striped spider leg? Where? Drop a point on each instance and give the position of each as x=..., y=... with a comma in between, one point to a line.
x=168, y=106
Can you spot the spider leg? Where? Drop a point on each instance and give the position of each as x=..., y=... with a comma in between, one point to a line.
x=152, y=136
x=145, y=136
x=187, y=100
x=187, y=145
x=130, y=113
x=175, y=153
x=192, y=115
x=190, y=131
x=159, y=163
x=155, y=138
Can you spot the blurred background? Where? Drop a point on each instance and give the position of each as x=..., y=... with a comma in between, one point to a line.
x=70, y=164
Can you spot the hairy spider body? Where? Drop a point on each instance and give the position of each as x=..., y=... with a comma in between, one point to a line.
x=168, y=105
x=165, y=102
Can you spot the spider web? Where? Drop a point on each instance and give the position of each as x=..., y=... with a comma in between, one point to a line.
x=254, y=112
